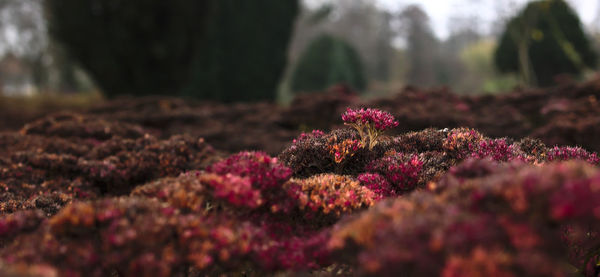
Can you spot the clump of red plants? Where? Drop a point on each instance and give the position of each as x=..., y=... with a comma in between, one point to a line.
x=503, y=220
x=351, y=201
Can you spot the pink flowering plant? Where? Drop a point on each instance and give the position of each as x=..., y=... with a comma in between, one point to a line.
x=370, y=123
x=402, y=171
x=306, y=136
x=565, y=153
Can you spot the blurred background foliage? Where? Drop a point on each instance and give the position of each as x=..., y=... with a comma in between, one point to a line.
x=325, y=62
x=243, y=53
x=130, y=47
x=228, y=50
x=224, y=50
x=544, y=40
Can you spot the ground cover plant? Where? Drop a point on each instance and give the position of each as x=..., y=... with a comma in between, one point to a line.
x=565, y=115
x=99, y=193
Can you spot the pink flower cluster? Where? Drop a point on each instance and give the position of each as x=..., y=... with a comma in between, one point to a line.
x=379, y=119
x=401, y=170
x=196, y=191
x=495, y=149
x=305, y=136
x=377, y=184
x=462, y=141
x=188, y=192
x=252, y=179
x=572, y=153
x=331, y=194
x=369, y=123
x=247, y=180
x=262, y=170
x=236, y=190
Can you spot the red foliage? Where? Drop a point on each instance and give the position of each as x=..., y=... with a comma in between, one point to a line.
x=331, y=194
x=572, y=153
x=402, y=171
x=376, y=183
x=448, y=202
x=262, y=170
x=136, y=237
x=505, y=222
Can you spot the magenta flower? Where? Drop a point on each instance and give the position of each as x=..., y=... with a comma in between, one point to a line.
x=565, y=153
x=402, y=171
x=378, y=184
x=305, y=136
x=262, y=170
x=369, y=123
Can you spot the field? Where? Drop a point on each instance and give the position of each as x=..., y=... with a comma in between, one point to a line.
x=443, y=184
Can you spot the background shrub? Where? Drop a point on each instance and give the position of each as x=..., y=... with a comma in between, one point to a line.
x=328, y=61
x=555, y=41
x=223, y=50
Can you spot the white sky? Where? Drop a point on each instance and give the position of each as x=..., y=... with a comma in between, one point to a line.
x=441, y=11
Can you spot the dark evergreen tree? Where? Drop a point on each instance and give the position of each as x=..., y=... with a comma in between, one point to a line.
x=226, y=50
x=325, y=62
x=244, y=53
x=542, y=41
x=130, y=47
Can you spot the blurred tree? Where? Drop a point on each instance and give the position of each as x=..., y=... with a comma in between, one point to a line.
x=23, y=35
x=544, y=40
x=328, y=61
x=422, y=47
x=244, y=52
x=368, y=30
x=130, y=47
x=214, y=49
x=360, y=23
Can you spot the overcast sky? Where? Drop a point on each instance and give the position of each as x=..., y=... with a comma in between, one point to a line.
x=441, y=11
